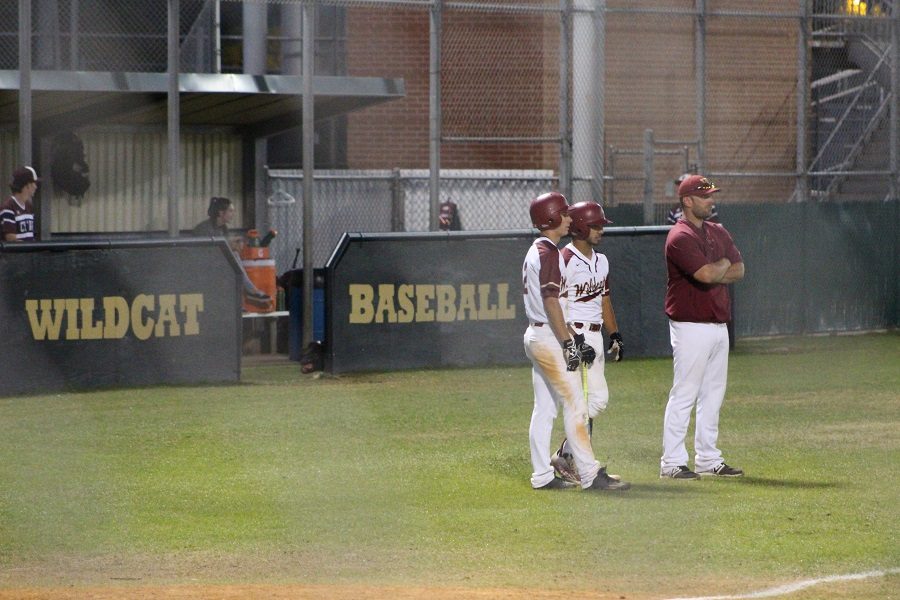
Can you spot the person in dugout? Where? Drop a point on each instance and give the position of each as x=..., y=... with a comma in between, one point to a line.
x=221, y=212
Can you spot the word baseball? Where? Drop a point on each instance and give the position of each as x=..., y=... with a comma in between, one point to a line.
x=423, y=303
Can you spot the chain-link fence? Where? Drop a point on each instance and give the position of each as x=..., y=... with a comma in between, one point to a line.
x=382, y=201
x=608, y=100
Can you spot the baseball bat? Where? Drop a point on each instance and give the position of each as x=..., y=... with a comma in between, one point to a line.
x=584, y=391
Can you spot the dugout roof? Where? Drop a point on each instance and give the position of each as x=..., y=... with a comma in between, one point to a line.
x=258, y=105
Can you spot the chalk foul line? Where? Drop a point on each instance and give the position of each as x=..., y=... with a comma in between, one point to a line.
x=797, y=586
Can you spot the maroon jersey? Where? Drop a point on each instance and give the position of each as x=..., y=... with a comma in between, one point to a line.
x=17, y=219
x=689, y=248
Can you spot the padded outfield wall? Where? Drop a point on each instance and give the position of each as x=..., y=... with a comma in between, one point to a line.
x=454, y=299
x=118, y=314
x=816, y=267
x=400, y=301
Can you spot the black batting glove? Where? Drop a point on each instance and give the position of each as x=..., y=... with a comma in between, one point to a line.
x=571, y=355
x=588, y=354
x=616, y=347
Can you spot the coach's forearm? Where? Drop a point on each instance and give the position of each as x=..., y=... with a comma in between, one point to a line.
x=713, y=272
x=734, y=273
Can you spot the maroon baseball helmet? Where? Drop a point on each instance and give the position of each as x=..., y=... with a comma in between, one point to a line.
x=584, y=216
x=547, y=210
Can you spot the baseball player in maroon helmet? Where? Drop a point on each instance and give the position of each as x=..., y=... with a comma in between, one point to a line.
x=556, y=355
x=590, y=311
x=701, y=260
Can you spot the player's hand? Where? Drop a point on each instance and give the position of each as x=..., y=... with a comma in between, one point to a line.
x=588, y=354
x=616, y=346
x=571, y=355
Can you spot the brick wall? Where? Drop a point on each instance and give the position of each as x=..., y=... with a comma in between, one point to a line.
x=500, y=79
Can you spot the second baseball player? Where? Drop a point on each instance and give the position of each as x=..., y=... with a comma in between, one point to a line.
x=589, y=311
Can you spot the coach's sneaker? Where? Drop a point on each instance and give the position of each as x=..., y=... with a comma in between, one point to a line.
x=681, y=472
x=723, y=470
x=604, y=482
x=556, y=484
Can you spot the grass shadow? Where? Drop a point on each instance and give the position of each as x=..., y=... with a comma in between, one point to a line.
x=794, y=484
x=656, y=490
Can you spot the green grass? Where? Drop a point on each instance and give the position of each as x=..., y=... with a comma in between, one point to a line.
x=420, y=478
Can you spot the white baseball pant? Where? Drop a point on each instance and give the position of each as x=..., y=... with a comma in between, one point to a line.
x=598, y=390
x=554, y=386
x=700, y=359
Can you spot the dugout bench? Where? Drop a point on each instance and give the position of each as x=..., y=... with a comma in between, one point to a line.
x=264, y=333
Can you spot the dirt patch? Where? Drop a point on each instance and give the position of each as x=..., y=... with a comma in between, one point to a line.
x=297, y=592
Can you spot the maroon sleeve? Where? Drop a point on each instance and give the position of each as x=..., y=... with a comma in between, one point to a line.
x=731, y=251
x=550, y=276
x=684, y=252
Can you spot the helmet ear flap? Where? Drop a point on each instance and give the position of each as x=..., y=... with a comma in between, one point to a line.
x=578, y=230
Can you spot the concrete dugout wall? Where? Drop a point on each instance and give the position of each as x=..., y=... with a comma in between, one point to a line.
x=98, y=314
x=402, y=301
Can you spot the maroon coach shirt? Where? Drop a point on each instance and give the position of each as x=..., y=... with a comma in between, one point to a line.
x=688, y=248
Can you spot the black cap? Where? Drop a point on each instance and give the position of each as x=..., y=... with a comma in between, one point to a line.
x=22, y=177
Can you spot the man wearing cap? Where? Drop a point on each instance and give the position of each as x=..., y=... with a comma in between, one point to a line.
x=676, y=213
x=17, y=212
x=701, y=259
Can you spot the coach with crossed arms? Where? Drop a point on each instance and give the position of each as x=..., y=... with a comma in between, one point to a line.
x=701, y=259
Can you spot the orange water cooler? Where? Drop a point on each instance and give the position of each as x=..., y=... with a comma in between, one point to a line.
x=260, y=268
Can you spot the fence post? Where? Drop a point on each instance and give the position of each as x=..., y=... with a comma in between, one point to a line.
x=600, y=102
x=25, y=82
x=648, y=177
x=398, y=207
x=309, y=136
x=895, y=107
x=802, y=186
x=434, y=115
x=700, y=83
x=565, y=100
x=173, y=115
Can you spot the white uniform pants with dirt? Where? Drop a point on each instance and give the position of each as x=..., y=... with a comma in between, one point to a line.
x=598, y=390
x=556, y=387
x=700, y=359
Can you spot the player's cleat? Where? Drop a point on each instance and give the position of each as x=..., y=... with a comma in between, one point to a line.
x=564, y=469
x=557, y=484
x=681, y=472
x=604, y=482
x=723, y=470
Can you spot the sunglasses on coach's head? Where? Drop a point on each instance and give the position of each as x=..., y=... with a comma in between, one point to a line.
x=705, y=185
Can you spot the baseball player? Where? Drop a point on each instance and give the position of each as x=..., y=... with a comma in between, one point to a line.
x=555, y=355
x=17, y=211
x=701, y=259
x=589, y=311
